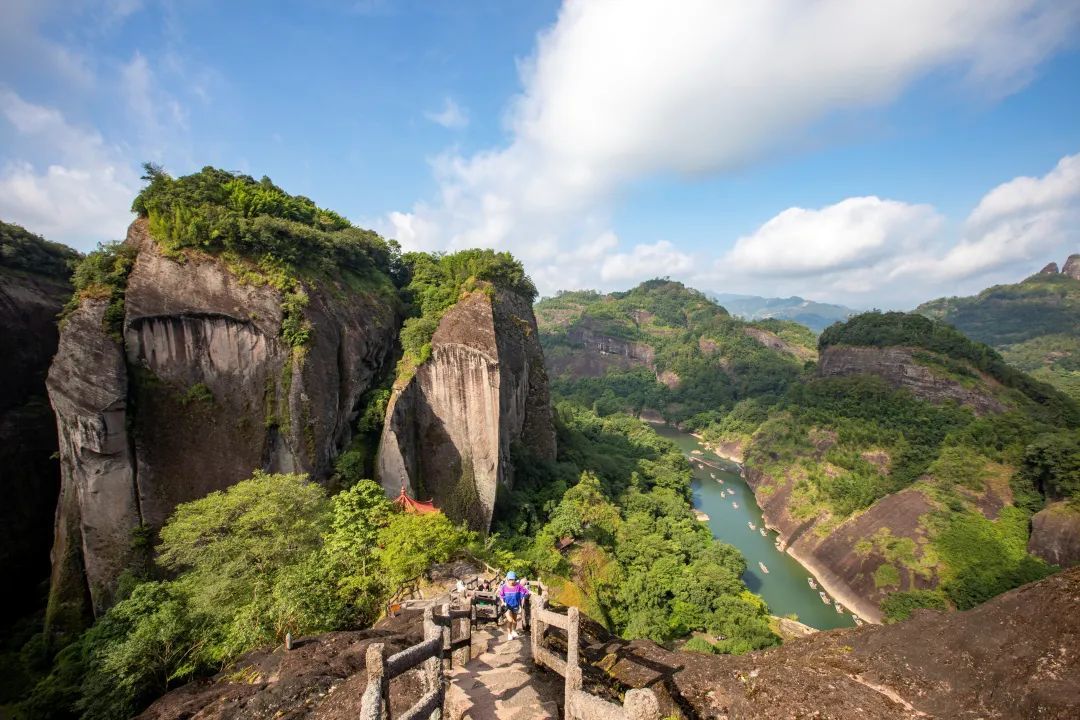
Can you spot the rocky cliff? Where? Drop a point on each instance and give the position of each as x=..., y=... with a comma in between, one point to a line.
x=1072, y=267
x=912, y=370
x=449, y=429
x=1055, y=534
x=30, y=300
x=198, y=391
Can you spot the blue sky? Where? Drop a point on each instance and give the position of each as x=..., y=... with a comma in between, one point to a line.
x=874, y=154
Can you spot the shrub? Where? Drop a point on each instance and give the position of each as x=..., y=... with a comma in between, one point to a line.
x=899, y=606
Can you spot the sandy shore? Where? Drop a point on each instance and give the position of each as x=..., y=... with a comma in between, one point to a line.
x=837, y=589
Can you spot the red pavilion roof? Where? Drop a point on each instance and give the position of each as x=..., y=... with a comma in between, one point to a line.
x=407, y=504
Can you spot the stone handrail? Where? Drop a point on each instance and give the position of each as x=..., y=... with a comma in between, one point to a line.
x=640, y=704
x=438, y=646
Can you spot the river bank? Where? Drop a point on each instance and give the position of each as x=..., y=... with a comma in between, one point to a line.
x=722, y=494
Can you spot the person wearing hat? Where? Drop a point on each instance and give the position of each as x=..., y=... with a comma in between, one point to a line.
x=512, y=595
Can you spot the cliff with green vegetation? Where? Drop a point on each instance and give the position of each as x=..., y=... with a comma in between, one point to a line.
x=906, y=472
x=666, y=350
x=34, y=285
x=470, y=385
x=1034, y=324
x=237, y=327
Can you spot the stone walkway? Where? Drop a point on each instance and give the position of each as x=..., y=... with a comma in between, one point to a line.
x=502, y=683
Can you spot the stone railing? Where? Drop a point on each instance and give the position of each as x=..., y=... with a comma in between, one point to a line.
x=375, y=703
x=639, y=704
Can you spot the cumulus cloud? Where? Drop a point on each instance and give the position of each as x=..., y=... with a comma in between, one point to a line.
x=896, y=254
x=84, y=194
x=853, y=233
x=452, y=116
x=660, y=258
x=621, y=90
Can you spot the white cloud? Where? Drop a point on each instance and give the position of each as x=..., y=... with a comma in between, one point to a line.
x=620, y=90
x=84, y=195
x=1023, y=219
x=660, y=258
x=870, y=251
x=452, y=116
x=853, y=233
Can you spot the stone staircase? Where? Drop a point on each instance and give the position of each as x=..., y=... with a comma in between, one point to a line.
x=502, y=682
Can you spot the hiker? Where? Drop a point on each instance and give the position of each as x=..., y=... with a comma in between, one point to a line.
x=512, y=595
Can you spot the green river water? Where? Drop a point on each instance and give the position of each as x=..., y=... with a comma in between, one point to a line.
x=784, y=587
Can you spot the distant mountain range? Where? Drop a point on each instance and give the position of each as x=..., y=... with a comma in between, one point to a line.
x=814, y=315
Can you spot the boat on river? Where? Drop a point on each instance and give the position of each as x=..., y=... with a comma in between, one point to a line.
x=734, y=504
x=762, y=531
x=811, y=583
x=763, y=568
x=839, y=609
x=824, y=598
x=751, y=525
x=712, y=475
x=720, y=480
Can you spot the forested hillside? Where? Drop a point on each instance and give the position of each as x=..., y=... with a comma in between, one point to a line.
x=1035, y=324
x=668, y=349
x=911, y=463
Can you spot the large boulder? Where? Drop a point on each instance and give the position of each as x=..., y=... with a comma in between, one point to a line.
x=449, y=429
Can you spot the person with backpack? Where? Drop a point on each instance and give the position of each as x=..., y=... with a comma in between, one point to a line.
x=512, y=595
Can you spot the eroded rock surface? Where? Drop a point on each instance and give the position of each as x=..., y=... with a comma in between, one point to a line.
x=900, y=368
x=201, y=391
x=1055, y=534
x=1072, y=267
x=29, y=472
x=449, y=431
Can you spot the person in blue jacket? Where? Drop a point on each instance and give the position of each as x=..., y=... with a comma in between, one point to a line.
x=512, y=595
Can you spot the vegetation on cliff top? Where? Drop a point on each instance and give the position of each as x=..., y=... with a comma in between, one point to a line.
x=1035, y=324
x=435, y=283
x=876, y=329
x=103, y=275
x=22, y=250
x=707, y=358
x=265, y=235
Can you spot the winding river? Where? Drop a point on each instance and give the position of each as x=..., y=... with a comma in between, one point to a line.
x=784, y=587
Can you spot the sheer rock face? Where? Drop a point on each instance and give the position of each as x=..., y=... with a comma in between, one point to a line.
x=1055, y=534
x=1072, y=267
x=597, y=354
x=448, y=432
x=201, y=392
x=29, y=472
x=900, y=368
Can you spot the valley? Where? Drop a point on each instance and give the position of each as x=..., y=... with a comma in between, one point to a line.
x=785, y=586
x=273, y=424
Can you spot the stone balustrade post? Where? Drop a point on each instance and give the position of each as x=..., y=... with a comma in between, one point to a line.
x=641, y=704
x=378, y=692
x=433, y=665
x=573, y=667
